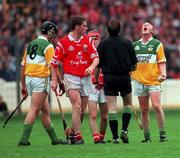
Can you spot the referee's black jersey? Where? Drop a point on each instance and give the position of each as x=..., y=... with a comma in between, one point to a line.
x=117, y=56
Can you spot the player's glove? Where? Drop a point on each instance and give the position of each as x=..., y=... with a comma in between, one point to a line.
x=61, y=89
x=70, y=135
x=69, y=131
x=99, y=86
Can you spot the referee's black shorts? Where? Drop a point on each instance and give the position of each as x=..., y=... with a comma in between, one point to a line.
x=115, y=84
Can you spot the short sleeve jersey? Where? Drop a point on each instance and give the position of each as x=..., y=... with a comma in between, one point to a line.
x=75, y=56
x=37, y=57
x=148, y=56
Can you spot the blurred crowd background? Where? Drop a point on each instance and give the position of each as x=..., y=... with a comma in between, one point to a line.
x=20, y=21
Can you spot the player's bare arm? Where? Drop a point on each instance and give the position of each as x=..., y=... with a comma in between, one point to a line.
x=23, y=84
x=162, y=68
x=90, y=69
x=54, y=79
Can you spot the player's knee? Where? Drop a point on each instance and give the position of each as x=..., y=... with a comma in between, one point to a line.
x=35, y=110
x=157, y=108
x=93, y=116
x=45, y=111
x=112, y=110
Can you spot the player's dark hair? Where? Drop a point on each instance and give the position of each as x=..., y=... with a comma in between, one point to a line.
x=114, y=27
x=77, y=20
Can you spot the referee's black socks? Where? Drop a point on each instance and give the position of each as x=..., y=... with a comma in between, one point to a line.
x=113, y=123
x=126, y=116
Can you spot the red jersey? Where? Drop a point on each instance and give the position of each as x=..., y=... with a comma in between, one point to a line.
x=100, y=78
x=76, y=56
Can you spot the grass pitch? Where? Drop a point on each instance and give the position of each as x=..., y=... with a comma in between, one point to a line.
x=41, y=147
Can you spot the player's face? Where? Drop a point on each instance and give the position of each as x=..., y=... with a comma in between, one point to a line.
x=95, y=40
x=147, y=28
x=52, y=34
x=83, y=28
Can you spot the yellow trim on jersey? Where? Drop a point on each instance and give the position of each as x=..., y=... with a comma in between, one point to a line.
x=160, y=54
x=49, y=55
x=39, y=70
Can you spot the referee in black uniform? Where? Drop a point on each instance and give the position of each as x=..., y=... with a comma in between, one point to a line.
x=117, y=60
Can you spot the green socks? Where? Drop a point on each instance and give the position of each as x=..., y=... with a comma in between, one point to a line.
x=162, y=132
x=26, y=132
x=147, y=135
x=52, y=134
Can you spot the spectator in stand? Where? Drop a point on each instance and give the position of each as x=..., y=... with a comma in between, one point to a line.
x=28, y=15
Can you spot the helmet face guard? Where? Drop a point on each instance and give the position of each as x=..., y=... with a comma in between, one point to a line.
x=50, y=29
x=95, y=37
x=94, y=34
x=52, y=33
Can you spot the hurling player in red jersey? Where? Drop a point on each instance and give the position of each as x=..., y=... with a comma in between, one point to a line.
x=79, y=58
x=97, y=97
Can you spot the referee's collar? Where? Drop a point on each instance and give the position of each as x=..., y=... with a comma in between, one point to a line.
x=42, y=37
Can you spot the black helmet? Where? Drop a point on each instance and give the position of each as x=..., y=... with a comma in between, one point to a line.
x=49, y=28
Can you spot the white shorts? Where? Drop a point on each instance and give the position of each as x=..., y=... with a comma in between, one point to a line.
x=36, y=84
x=82, y=84
x=143, y=90
x=97, y=95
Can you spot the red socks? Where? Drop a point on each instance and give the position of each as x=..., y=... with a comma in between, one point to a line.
x=78, y=137
x=96, y=137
